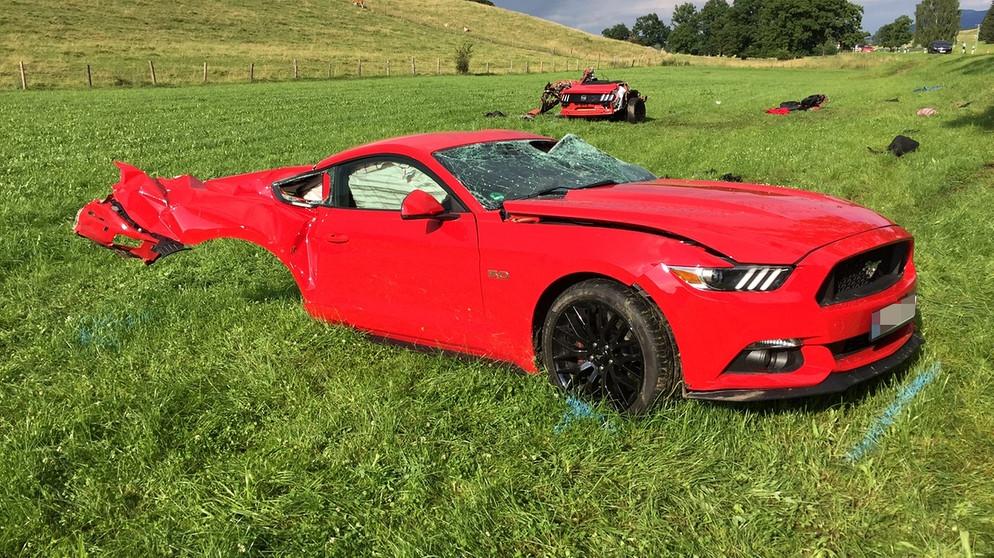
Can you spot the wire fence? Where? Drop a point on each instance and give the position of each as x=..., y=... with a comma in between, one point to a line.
x=38, y=75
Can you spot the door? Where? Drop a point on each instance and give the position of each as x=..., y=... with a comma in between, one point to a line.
x=417, y=280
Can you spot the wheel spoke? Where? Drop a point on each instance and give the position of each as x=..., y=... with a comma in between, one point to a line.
x=597, y=354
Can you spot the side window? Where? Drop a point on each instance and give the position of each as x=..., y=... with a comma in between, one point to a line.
x=309, y=189
x=385, y=184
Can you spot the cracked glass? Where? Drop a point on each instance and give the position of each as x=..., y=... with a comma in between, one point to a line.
x=510, y=170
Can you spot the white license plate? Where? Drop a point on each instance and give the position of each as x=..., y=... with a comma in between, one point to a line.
x=889, y=318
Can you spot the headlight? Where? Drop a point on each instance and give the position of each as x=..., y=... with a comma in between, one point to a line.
x=741, y=278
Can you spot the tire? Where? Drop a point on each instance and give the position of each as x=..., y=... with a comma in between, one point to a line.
x=604, y=341
x=635, y=110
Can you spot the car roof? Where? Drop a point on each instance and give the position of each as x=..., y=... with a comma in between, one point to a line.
x=426, y=144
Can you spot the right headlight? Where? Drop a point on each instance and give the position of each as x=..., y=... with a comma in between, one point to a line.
x=739, y=278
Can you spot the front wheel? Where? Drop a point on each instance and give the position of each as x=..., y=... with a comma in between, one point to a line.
x=604, y=341
x=635, y=110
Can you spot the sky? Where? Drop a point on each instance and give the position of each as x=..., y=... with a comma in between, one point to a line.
x=595, y=15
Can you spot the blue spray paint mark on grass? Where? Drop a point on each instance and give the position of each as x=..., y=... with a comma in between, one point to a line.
x=580, y=410
x=905, y=396
x=108, y=331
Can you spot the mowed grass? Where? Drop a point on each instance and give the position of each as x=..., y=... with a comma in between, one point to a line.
x=193, y=408
x=56, y=39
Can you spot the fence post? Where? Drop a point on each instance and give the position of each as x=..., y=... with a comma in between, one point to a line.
x=438, y=66
x=541, y=66
x=89, y=76
x=359, y=71
x=24, y=80
x=205, y=71
x=252, y=71
x=488, y=68
x=331, y=70
x=388, y=68
x=414, y=67
x=296, y=74
x=633, y=62
x=151, y=70
x=527, y=66
x=511, y=70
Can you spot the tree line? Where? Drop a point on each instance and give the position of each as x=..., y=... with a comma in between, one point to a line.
x=751, y=28
x=935, y=20
x=789, y=28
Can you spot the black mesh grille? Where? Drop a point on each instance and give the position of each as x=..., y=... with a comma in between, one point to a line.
x=584, y=99
x=864, y=274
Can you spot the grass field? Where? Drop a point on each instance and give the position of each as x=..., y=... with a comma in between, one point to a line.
x=193, y=408
x=57, y=39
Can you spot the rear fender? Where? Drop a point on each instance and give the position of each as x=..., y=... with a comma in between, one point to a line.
x=148, y=218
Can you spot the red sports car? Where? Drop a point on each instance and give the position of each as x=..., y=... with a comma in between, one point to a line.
x=624, y=286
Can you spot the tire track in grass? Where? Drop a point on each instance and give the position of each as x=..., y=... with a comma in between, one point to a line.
x=904, y=397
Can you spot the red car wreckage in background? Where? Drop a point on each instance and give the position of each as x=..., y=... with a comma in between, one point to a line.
x=590, y=97
x=510, y=245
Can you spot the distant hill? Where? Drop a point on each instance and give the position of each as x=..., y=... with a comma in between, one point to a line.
x=56, y=39
x=969, y=19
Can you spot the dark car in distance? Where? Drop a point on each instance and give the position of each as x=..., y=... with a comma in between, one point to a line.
x=940, y=47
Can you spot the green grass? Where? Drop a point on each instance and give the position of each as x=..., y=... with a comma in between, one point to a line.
x=57, y=39
x=193, y=408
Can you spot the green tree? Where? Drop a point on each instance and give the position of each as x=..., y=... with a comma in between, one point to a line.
x=936, y=20
x=896, y=33
x=987, y=26
x=686, y=34
x=737, y=37
x=714, y=17
x=792, y=28
x=619, y=32
x=649, y=30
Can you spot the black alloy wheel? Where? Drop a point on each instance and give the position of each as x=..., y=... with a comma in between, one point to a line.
x=603, y=341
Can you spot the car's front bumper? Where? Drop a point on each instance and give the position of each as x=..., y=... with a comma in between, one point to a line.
x=592, y=110
x=712, y=328
x=834, y=383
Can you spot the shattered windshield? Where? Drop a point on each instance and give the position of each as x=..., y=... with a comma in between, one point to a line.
x=511, y=170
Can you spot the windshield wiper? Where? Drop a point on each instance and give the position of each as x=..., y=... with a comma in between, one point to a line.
x=565, y=189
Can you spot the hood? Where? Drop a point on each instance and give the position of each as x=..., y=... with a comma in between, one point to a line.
x=748, y=223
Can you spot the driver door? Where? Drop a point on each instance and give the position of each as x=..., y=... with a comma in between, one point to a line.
x=416, y=280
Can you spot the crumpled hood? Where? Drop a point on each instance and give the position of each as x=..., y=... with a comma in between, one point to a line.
x=749, y=223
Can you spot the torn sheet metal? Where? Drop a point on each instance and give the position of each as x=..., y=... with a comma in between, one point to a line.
x=164, y=216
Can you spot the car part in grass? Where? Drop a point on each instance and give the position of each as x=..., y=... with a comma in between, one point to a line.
x=811, y=102
x=590, y=97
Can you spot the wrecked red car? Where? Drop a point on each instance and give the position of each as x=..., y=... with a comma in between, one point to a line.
x=590, y=97
x=512, y=246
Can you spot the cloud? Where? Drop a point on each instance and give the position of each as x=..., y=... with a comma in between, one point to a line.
x=591, y=15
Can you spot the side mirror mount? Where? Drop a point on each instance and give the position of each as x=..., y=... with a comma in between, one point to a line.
x=420, y=205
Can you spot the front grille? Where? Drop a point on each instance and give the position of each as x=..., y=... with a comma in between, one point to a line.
x=587, y=99
x=864, y=274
